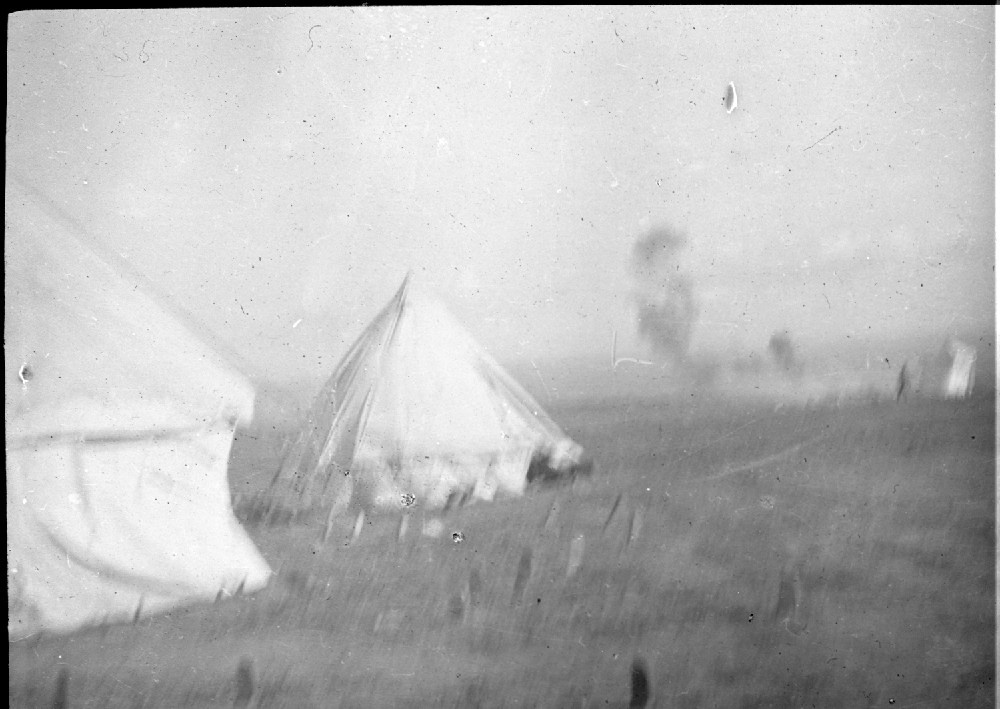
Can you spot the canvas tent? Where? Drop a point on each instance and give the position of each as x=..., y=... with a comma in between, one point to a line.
x=415, y=413
x=118, y=423
x=962, y=372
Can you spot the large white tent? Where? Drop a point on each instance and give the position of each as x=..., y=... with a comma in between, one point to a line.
x=119, y=423
x=416, y=413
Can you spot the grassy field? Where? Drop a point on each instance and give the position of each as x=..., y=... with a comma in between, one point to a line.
x=748, y=556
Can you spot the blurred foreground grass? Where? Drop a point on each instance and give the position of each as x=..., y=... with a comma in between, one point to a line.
x=752, y=556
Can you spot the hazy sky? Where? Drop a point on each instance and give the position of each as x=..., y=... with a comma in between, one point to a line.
x=277, y=172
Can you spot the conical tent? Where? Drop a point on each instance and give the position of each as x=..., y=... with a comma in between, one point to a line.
x=119, y=423
x=417, y=412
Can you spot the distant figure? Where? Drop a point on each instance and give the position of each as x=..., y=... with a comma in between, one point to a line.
x=909, y=379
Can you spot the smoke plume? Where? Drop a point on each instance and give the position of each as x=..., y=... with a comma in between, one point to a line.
x=665, y=303
x=783, y=353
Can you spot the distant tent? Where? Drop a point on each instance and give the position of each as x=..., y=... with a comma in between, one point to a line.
x=118, y=429
x=962, y=373
x=950, y=374
x=417, y=412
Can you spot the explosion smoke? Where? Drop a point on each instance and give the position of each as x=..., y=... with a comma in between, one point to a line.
x=783, y=353
x=665, y=303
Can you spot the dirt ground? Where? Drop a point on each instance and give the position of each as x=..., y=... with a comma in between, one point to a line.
x=745, y=556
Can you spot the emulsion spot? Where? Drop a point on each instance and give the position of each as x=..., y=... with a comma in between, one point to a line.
x=730, y=100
